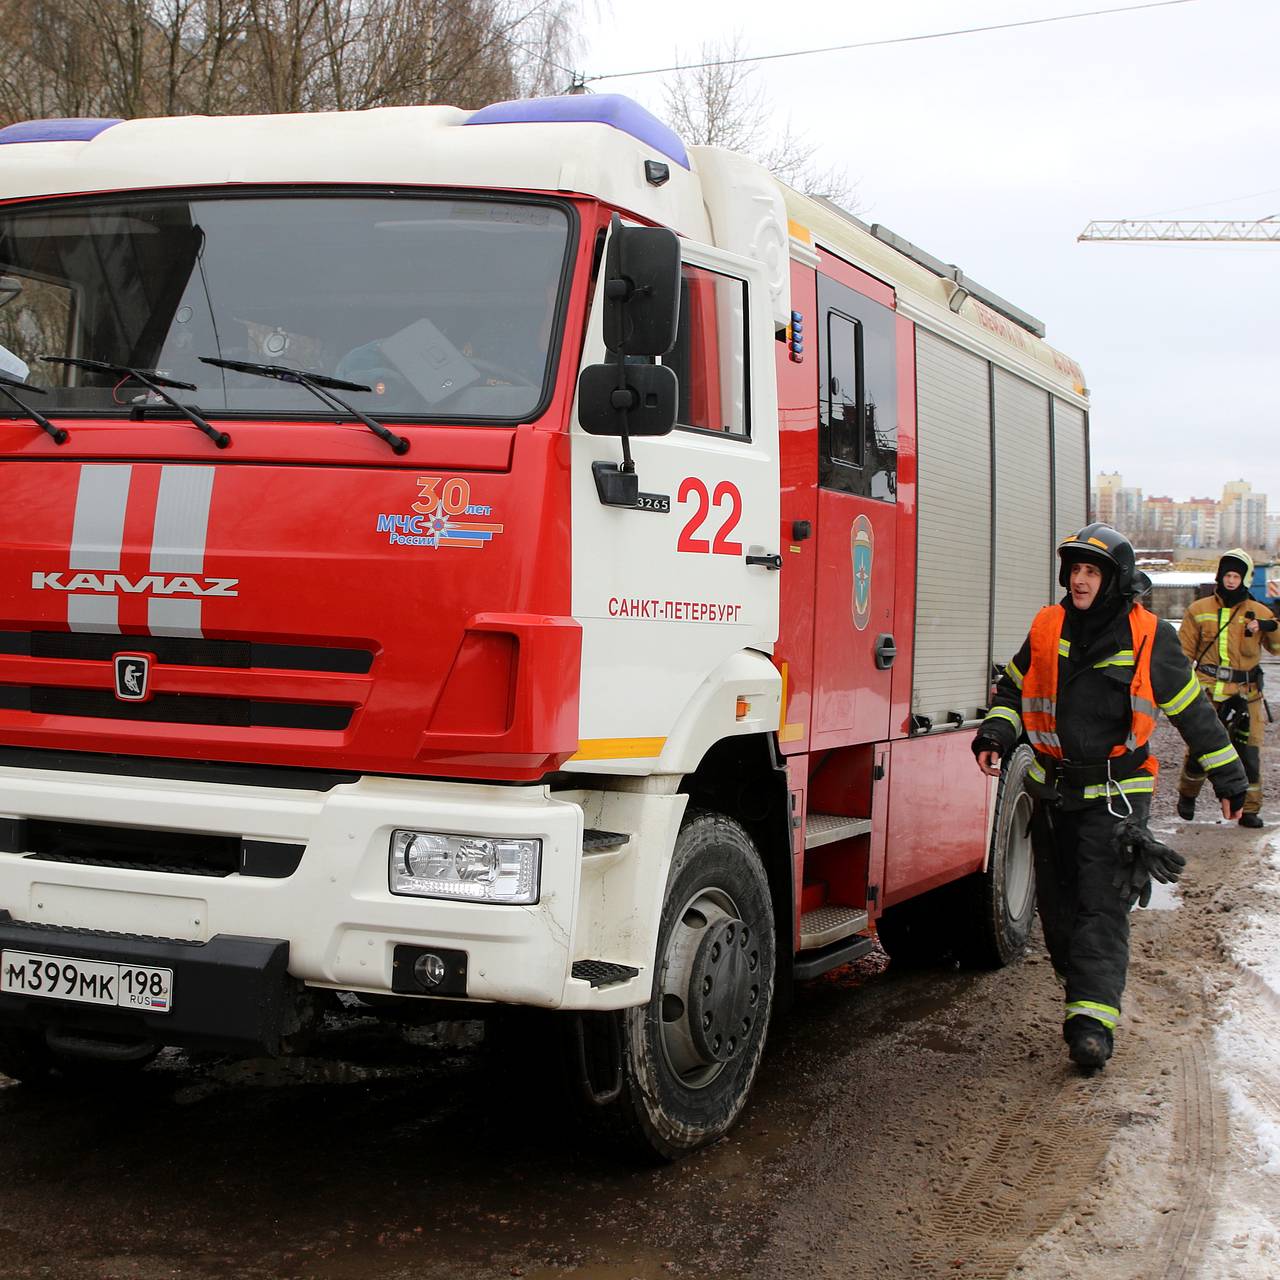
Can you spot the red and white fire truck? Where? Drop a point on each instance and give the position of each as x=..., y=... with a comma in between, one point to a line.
x=757, y=495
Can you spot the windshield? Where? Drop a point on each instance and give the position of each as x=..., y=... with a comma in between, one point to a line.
x=444, y=306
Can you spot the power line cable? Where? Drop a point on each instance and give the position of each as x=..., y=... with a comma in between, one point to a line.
x=1209, y=204
x=872, y=44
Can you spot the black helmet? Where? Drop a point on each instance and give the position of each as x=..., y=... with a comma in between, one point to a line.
x=1100, y=544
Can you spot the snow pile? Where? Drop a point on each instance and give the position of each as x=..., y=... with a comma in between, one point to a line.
x=1246, y=1237
x=1257, y=947
x=1164, y=897
x=1251, y=1063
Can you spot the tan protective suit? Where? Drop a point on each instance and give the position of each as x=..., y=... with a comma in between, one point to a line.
x=1213, y=635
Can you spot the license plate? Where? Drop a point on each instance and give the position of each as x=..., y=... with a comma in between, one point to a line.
x=128, y=986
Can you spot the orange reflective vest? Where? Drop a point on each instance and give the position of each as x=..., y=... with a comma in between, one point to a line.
x=1040, y=685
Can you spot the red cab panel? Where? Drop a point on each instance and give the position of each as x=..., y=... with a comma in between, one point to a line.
x=374, y=619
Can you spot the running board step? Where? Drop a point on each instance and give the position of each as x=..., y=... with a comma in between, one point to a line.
x=813, y=964
x=597, y=841
x=602, y=973
x=827, y=828
x=830, y=924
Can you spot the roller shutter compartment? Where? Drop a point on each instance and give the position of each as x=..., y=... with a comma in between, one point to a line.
x=953, y=583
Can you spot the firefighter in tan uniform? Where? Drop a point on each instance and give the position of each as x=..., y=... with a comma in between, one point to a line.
x=1223, y=636
x=1084, y=691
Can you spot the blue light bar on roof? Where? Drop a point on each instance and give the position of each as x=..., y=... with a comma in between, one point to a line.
x=589, y=108
x=73, y=129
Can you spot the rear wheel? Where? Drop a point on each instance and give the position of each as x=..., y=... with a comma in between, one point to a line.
x=690, y=1055
x=1001, y=901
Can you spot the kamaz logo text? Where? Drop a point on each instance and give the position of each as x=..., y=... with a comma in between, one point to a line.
x=156, y=584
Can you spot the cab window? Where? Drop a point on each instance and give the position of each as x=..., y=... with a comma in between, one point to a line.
x=710, y=354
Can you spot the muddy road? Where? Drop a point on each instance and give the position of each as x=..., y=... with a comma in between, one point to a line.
x=904, y=1124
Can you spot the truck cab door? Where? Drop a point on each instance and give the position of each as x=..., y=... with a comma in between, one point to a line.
x=669, y=592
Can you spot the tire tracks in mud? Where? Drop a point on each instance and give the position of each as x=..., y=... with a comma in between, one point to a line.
x=1043, y=1156
x=1044, y=1159
x=1200, y=1134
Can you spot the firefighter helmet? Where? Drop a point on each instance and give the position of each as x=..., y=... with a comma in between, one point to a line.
x=1236, y=560
x=1100, y=544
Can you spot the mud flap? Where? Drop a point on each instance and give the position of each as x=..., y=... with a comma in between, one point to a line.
x=596, y=1054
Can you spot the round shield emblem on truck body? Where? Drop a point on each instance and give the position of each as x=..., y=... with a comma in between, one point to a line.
x=862, y=547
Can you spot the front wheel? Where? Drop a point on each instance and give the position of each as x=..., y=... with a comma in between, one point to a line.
x=690, y=1055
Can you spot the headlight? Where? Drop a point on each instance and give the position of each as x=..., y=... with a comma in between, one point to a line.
x=429, y=864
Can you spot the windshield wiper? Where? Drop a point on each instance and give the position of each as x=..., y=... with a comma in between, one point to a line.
x=58, y=434
x=317, y=384
x=155, y=382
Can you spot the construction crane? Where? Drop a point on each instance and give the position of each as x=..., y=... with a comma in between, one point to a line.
x=1140, y=230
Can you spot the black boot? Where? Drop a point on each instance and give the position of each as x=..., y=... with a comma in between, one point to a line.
x=1088, y=1041
x=1252, y=820
x=1186, y=807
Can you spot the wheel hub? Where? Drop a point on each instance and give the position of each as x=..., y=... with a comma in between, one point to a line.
x=710, y=988
x=722, y=993
x=1019, y=858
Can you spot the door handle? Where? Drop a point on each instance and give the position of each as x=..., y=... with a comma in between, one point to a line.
x=886, y=651
x=769, y=561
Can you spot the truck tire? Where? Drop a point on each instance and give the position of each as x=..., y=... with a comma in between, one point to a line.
x=690, y=1054
x=998, y=904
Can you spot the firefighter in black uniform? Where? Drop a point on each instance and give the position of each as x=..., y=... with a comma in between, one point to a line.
x=1083, y=691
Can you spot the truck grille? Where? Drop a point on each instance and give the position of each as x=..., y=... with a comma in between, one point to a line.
x=178, y=651
x=309, y=709
x=175, y=708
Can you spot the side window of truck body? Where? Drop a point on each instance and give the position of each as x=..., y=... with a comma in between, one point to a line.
x=857, y=394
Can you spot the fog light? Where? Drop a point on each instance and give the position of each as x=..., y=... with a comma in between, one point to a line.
x=431, y=864
x=429, y=969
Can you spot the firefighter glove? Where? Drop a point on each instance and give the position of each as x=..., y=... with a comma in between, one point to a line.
x=1141, y=858
x=983, y=742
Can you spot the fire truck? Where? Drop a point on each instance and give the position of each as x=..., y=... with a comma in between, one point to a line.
x=758, y=496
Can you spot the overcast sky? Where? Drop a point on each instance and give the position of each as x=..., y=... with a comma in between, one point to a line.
x=992, y=151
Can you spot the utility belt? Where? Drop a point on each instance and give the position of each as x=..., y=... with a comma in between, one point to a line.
x=1232, y=675
x=1078, y=775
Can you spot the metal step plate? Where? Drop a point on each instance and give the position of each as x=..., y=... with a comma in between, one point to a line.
x=827, y=828
x=596, y=841
x=826, y=925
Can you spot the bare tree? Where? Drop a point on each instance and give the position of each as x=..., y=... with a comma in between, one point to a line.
x=170, y=57
x=720, y=104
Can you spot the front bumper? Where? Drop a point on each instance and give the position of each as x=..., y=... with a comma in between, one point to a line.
x=334, y=915
x=229, y=993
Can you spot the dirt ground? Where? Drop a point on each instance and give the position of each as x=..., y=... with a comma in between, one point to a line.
x=915, y=1124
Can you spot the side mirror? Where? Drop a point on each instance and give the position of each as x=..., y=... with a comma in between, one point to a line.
x=641, y=290
x=627, y=399
x=640, y=317
x=10, y=288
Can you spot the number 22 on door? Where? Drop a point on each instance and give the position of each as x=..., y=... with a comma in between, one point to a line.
x=726, y=495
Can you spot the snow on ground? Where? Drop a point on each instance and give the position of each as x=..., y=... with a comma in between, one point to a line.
x=1257, y=947
x=1246, y=1237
